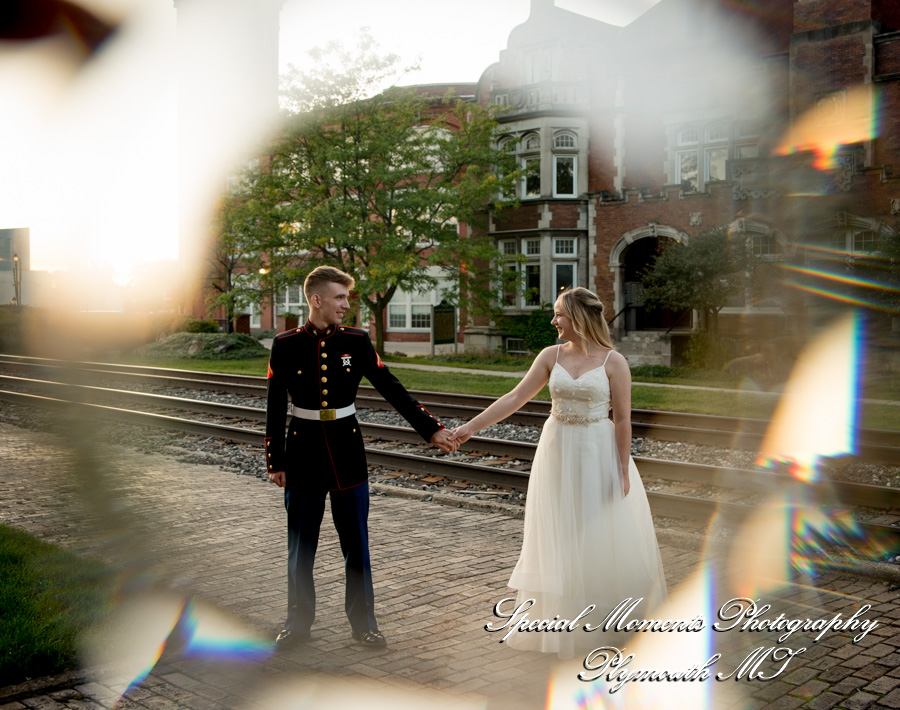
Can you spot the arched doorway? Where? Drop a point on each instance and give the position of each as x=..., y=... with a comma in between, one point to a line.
x=629, y=260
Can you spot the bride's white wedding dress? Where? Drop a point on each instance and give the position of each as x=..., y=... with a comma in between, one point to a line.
x=584, y=542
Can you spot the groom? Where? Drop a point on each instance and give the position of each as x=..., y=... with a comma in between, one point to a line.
x=320, y=365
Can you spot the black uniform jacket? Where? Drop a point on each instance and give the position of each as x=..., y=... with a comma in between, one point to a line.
x=321, y=369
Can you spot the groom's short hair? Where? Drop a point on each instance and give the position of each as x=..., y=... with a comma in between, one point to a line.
x=322, y=275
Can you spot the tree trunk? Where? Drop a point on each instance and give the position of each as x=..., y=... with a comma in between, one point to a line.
x=378, y=312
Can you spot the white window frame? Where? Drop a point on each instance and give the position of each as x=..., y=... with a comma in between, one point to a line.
x=286, y=304
x=556, y=265
x=527, y=243
x=558, y=241
x=407, y=302
x=574, y=159
x=679, y=156
x=524, y=165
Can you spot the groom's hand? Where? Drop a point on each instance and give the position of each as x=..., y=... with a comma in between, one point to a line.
x=443, y=441
x=278, y=478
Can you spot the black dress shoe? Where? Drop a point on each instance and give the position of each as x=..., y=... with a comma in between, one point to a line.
x=370, y=637
x=288, y=638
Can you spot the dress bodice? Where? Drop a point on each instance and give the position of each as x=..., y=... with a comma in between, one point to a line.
x=579, y=400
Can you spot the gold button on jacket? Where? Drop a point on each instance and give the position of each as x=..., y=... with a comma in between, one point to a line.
x=327, y=455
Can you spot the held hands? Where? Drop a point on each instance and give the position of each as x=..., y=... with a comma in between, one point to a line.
x=462, y=434
x=444, y=440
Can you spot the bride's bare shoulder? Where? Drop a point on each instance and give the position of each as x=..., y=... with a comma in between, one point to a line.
x=616, y=362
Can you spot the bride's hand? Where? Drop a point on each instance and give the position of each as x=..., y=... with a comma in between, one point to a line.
x=461, y=434
x=626, y=487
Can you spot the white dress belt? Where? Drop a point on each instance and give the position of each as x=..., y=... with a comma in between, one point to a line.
x=323, y=415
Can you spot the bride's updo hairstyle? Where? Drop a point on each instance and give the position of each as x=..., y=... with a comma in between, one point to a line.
x=586, y=312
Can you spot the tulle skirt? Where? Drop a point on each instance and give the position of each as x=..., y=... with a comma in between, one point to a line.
x=584, y=542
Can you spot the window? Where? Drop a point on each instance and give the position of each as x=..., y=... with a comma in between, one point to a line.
x=715, y=163
x=751, y=150
x=686, y=171
x=532, y=284
x=510, y=276
x=564, y=277
x=290, y=300
x=397, y=316
x=717, y=132
x=531, y=182
x=563, y=247
x=520, y=280
x=516, y=345
x=702, y=152
x=532, y=142
x=867, y=241
x=421, y=316
x=565, y=166
x=410, y=311
x=564, y=175
x=765, y=246
x=688, y=136
x=507, y=144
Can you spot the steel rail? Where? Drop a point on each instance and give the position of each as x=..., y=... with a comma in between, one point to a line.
x=726, y=432
x=751, y=480
x=754, y=481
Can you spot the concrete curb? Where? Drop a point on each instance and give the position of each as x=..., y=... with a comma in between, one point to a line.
x=43, y=686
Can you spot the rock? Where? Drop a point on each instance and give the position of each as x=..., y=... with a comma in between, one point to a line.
x=196, y=346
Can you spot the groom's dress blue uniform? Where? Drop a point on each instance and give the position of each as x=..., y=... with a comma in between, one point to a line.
x=321, y=370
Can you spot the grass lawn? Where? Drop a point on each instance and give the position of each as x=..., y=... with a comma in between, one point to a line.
x=47, y=597
x=254, y=366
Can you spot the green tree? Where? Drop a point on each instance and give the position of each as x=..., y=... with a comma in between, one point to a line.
x=377, y=185
x=701, y=274
x=245, y=230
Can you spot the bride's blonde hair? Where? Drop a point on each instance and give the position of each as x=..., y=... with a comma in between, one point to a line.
x=586, y=312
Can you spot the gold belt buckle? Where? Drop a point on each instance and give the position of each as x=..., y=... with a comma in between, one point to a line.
x=327, y=415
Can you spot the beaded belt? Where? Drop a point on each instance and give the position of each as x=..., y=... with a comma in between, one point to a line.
x=323, y=415
x=574, y=418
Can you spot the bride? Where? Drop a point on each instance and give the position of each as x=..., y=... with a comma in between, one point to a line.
x=589, y=537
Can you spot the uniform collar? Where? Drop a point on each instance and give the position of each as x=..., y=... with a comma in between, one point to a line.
x=319, y=333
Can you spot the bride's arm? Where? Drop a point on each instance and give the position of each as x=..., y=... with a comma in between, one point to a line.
x=512, y=401
x=620, y=397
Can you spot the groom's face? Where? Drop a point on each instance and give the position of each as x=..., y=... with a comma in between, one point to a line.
x=331, y=303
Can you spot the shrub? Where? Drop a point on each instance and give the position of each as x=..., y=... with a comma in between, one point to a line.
x=204, y=346
x=195, y=325
x=534, y=328
x=706, y=351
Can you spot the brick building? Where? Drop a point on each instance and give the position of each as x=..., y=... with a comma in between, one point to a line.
x=701, y=113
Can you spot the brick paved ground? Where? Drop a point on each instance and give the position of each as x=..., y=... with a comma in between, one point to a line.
x=195, y=531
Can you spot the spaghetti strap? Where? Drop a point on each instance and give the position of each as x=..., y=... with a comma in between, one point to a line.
x=557, y=352
x=604, y=359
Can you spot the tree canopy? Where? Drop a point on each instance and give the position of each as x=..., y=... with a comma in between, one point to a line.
x=378, y=185
x=701, y=274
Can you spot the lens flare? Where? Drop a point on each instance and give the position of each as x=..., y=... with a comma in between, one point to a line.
x=817, y=414
x=129, y=644
x=212, y=633
x=654, y=654
x=840, y=296
x=838, y=119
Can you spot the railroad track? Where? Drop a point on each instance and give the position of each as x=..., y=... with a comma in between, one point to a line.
x=725, y=432
x=108, y=403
